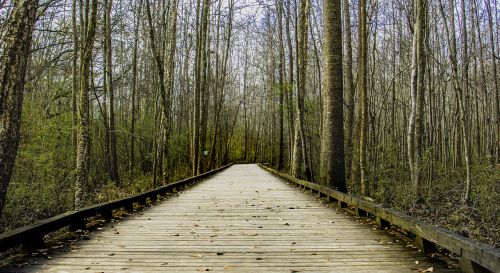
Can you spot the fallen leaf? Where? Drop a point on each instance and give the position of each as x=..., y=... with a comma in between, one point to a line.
x=430, y=269
x=204, y=269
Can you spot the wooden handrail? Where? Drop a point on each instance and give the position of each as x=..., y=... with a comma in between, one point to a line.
x=474, y=256
x=33, y=234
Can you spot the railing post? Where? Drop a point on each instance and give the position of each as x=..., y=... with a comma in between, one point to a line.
x=359, y=212
x=381, y=223
x=129, y=207
x=342, y=205
x=78, y=224
x=107, y=215
x=33, y=242
x=469, y=266
x=425, y=245
x=153, y=198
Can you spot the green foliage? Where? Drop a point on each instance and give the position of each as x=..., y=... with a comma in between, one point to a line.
x=41, y=183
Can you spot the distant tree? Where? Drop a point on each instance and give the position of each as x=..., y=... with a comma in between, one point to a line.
x=363, y=93
x=109, y=90
x=299, y=148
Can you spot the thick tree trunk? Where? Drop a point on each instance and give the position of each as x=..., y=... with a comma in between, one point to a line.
x=16, y=45
x=332, y=165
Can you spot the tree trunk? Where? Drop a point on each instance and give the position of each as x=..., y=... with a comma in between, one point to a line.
x=16, y=45
x=170, y=69
x=74, y=72
x=496, y=145
x=349, y=87
x=363, y=97
x=417, y=88
x=83, y=147
x=134, y=91
x=332, y=172
x=113, y=156
x=281, y=88
x=298, y=159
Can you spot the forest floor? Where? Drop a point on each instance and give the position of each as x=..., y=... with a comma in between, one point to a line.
x=479, y=220
x=464, y=220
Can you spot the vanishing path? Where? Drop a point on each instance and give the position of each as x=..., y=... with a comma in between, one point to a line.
x=240, y=220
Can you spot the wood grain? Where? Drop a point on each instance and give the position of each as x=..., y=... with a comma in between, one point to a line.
x=240, y=220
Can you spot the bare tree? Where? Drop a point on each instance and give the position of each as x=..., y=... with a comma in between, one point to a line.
x=83, y=139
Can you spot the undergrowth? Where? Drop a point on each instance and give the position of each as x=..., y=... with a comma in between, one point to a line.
x=443, y=206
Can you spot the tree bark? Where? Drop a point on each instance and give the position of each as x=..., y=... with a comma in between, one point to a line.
x=83, y=147
x=298, y=160
x=332, y=163
x=281, y=88
x=417, y=88
x=349, y=88
x=133, y=107
x=362, y=85
x=109, y=90
x=16, y=45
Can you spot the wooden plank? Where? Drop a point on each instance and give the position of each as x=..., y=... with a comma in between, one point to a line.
x=240, y=220
x=36, y=231
x=472, y=254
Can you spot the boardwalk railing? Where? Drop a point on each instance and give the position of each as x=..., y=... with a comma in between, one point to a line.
x=474, y=256
x=32, y=235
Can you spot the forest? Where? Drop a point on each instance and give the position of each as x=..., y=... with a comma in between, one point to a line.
x=396, y=101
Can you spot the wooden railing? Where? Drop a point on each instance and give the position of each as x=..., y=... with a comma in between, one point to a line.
x=32, y=235
x=474, y=257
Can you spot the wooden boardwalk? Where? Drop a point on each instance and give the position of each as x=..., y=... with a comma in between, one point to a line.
x=240, y=220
